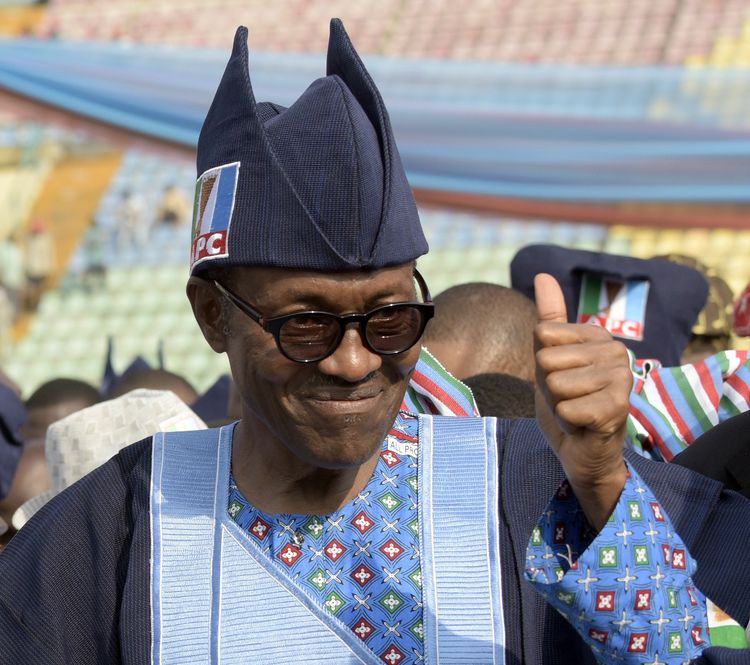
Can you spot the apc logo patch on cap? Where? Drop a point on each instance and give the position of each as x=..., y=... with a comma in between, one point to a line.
x=617, y=305
x=215, y=191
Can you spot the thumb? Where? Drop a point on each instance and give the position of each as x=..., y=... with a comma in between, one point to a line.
x=550, y=302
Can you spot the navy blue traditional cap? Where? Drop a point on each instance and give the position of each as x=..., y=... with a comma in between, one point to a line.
x=138, y=365
x=111, y=380
x=109, y=376
x=650, y=305
x=317, y=186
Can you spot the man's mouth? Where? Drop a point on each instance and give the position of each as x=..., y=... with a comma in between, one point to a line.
x=344, y=395
x=344, y=401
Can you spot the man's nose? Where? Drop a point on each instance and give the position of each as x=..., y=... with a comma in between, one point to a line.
x=352, y=360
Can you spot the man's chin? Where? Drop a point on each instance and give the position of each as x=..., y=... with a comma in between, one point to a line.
x=345, y=448
x=354, y=419
x=339, y=436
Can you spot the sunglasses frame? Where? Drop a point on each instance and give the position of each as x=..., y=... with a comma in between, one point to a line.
x=273, y=325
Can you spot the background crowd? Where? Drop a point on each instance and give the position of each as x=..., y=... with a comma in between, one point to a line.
x=482, y=333
x=620, y=167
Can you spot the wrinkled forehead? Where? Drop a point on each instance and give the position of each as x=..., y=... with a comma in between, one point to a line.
x=279, y=286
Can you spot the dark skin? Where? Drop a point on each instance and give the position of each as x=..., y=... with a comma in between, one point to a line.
x=39, y=418
x=309, y=435
x=30, y=480
x=583, y=387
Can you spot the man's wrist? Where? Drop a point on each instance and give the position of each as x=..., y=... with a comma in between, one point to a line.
x=599, y=498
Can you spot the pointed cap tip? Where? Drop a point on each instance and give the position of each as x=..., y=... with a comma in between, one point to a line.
x=240, y=40
x=339, y=43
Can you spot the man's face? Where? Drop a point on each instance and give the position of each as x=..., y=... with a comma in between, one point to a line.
x=39, y=418
x=333, y=413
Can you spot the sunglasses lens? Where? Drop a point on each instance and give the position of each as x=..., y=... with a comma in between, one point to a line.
x=394, y=329
x=309, y=337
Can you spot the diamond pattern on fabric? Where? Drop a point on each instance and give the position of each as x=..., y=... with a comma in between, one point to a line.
x=629, y=591
x=362, y=562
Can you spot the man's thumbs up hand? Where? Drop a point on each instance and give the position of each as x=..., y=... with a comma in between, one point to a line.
x=583, y=389
x=550, y=302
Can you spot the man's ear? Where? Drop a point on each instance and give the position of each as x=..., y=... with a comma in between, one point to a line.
x=206, y=303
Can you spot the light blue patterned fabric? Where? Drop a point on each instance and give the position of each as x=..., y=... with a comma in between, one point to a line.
x=362, y=562
x=216, y=596
x=629, y=592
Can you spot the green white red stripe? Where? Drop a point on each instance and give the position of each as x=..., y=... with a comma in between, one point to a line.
x=434, y=390
x=671, y=407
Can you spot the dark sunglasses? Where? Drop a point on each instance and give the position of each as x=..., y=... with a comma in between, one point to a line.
x=308, y=337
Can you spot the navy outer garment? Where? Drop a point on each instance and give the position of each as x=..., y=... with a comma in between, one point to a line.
x=76, y=580
x=12, y=416
x=722, y=453
x=676, y=293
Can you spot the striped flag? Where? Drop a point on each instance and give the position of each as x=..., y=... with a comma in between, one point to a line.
x=436, y=391
x=670, y=407
x=617, y=305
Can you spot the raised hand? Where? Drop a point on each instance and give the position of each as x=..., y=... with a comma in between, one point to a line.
x=583, y=387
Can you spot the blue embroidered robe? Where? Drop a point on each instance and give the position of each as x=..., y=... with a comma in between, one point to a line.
x=75, y=583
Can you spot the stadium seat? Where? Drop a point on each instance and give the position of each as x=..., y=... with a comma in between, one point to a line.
x=625, y=32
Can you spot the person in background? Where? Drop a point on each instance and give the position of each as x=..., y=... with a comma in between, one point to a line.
x=213, y=406
x=741, y=314
x=47, y=404
x=133, y=227
x=12, y=272
x=712, y=330
x=80, y=442
x=52, y=401
x=12, y=418
x=30, y=479
x=40, y=261
x=329, y=525
x=502, y=395
x=94, y=276
x=155, y=379
x=174, y=208
x=482, y=328
x=722, y=453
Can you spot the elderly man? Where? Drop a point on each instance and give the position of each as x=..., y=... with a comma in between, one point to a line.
x=332, y=523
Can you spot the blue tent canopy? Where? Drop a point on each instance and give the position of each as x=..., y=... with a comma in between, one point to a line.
x=512, y=130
